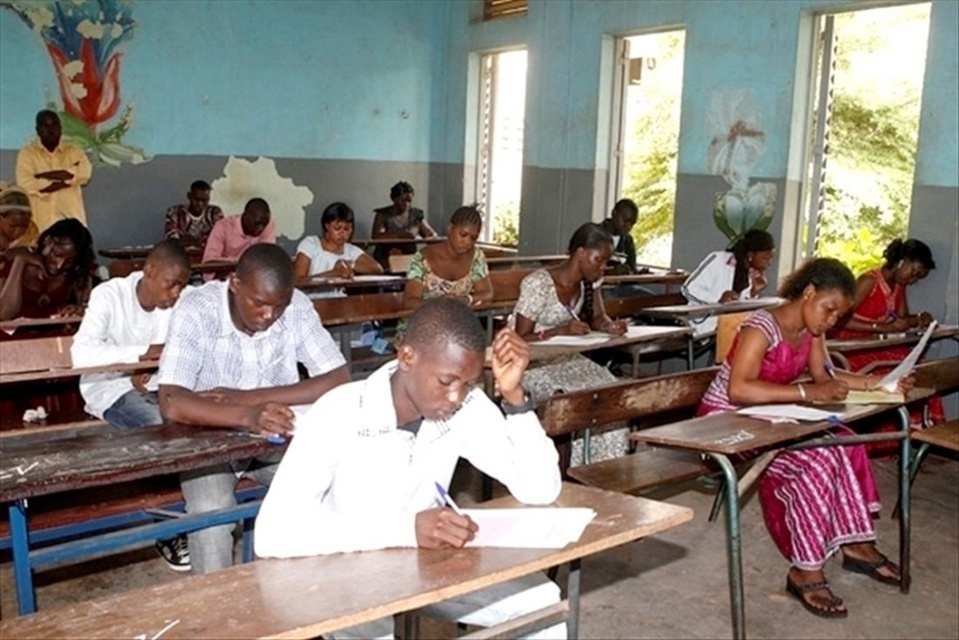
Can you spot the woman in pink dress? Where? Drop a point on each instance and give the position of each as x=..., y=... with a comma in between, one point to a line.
x=815, y=501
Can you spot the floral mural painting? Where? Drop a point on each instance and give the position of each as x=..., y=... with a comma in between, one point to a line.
x=737, y=142
x=83, y=39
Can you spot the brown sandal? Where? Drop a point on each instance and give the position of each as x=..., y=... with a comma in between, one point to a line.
x=801, y=591
x=871, y=569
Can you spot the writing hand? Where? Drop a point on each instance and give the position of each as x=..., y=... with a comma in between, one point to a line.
x=827, y=391
x=152, y=353
x=271, y=417
x=342, y=269
x=615, y=327
x=139, y=381
x=70, y=311
x=896, y=325
x=577, y=328
x=443, y=529
x=906, y=383
x=728, y=296
x=510, y=359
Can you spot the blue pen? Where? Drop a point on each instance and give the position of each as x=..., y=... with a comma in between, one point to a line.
x=448, y=499
x=830, y=370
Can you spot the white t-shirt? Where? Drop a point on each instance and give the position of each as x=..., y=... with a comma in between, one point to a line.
x=322, y=260
x=115, y=329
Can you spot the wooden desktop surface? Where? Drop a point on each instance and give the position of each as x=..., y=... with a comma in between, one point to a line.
x=309, y=597
x=731, y=433
x=882, y=341
x=641, y=334
x=686, y=311
x=42, y=464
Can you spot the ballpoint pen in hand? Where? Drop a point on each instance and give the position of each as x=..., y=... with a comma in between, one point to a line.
x=447, y=499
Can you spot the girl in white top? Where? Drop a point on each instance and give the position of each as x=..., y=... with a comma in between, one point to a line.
x=727, y=276
x=331, y=254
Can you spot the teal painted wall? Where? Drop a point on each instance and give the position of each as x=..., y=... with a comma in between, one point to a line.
x=297, y=79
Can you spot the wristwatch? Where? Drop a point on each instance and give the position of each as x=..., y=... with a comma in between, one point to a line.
x=515, y=409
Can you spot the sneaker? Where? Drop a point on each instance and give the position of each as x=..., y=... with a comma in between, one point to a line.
x=175, y=553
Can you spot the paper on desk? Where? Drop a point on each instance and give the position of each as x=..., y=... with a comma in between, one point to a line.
x=375, y=278
x=577, y=341
x=529, y=527
x=786, y=412
x=890, y=381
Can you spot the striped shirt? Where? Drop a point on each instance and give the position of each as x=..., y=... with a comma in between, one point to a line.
x=205, y=350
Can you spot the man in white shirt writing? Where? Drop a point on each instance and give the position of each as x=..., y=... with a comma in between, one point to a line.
x=360, y=473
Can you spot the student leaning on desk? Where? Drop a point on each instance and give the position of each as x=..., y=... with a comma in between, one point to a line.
x=230, y=361
x=817, y=501
x=361, y=472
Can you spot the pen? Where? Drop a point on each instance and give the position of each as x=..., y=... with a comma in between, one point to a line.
x=830, y=370
x=448, y=499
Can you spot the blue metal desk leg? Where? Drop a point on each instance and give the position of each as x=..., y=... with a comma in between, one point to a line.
x=20, y=547
x=905, y=503
x=734, y=557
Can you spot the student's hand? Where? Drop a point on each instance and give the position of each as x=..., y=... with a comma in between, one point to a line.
x=271, y=417
x=896, y=325
x=906, y=383
x=31, y=259
x=728, y=296
x=70, y=311
x=342, y=269
x=59, y=175
x=615, y=327
x=510, y=358
x=139, y=381
x=577, y=328
x=923, y=319
x=54, y=187
x=828, y=391
x=757, y=280
x=443, y=529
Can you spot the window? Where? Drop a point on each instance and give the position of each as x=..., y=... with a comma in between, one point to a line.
x=499, y=143
x=645, y=134
x=493, y=9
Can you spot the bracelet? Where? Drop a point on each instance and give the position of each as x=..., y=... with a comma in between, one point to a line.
x=541, y=334
x=469, y=299
x=802, y=392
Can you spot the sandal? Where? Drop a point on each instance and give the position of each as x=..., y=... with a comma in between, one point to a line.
x=871, y=569
x=832, y=603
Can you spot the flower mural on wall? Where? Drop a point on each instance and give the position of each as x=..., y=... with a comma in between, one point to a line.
x=83, y=39
x=737, y=142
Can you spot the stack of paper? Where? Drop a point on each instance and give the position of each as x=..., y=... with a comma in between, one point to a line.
x=529, y=527
x=784, y=412
x=591, y=338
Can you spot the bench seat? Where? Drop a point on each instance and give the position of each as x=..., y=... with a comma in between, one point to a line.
x=642, y=470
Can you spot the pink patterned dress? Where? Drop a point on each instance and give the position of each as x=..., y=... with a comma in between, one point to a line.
x=813, y=500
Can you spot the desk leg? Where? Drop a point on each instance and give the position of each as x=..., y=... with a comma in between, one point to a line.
x=572, y=594
x=20, y=546
x=905, y=503
x=690, y=352
x=733, y=546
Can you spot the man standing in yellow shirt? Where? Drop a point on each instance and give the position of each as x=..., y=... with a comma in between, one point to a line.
x=52, y=172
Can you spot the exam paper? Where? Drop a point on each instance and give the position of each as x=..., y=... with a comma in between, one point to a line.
x=786, y=412
x=577, y=341
x=529, y=527
x=890, y=381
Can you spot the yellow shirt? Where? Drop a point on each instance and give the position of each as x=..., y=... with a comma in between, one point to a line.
x=65, y=203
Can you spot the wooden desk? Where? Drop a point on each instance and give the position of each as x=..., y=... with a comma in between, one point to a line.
x=638, y=335
x=310, y=597
x=524, y=262
x=140, y=252
x=365, y=243
x=725, y=434
x=838, y=348
x=34, y=466
x=666, y=279
x=316, y=284
x=691, y=311
x=49, y=359
x=52, y=322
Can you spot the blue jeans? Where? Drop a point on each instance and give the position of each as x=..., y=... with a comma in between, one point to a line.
x=134, y=409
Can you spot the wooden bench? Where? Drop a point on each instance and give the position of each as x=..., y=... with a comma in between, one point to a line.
x=662, y=397
x=943, y=376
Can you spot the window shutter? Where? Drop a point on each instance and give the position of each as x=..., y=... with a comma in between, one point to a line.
x=493, y=9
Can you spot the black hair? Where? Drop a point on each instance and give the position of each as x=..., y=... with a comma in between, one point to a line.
x=72, y=230
x=625, y=206
x=915, y=250
x=824, y=274
x=169, y=252
x=753, y=241
x=399, y=189
x=266, y=261
x=257, y=205
x=336, y=211
x=589, y=236
x=468, y=214
x=200, y=185
x=443, y=320
x=46, y=113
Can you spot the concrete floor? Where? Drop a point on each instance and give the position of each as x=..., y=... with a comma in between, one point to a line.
x=675, y=586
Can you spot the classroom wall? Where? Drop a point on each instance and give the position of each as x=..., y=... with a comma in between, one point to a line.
x=339, y=94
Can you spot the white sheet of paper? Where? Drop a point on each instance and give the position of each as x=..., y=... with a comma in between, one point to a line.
x=375, y=278
x=529, y=527
x=890, y=381
x=577, y=341
x=786, y=412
